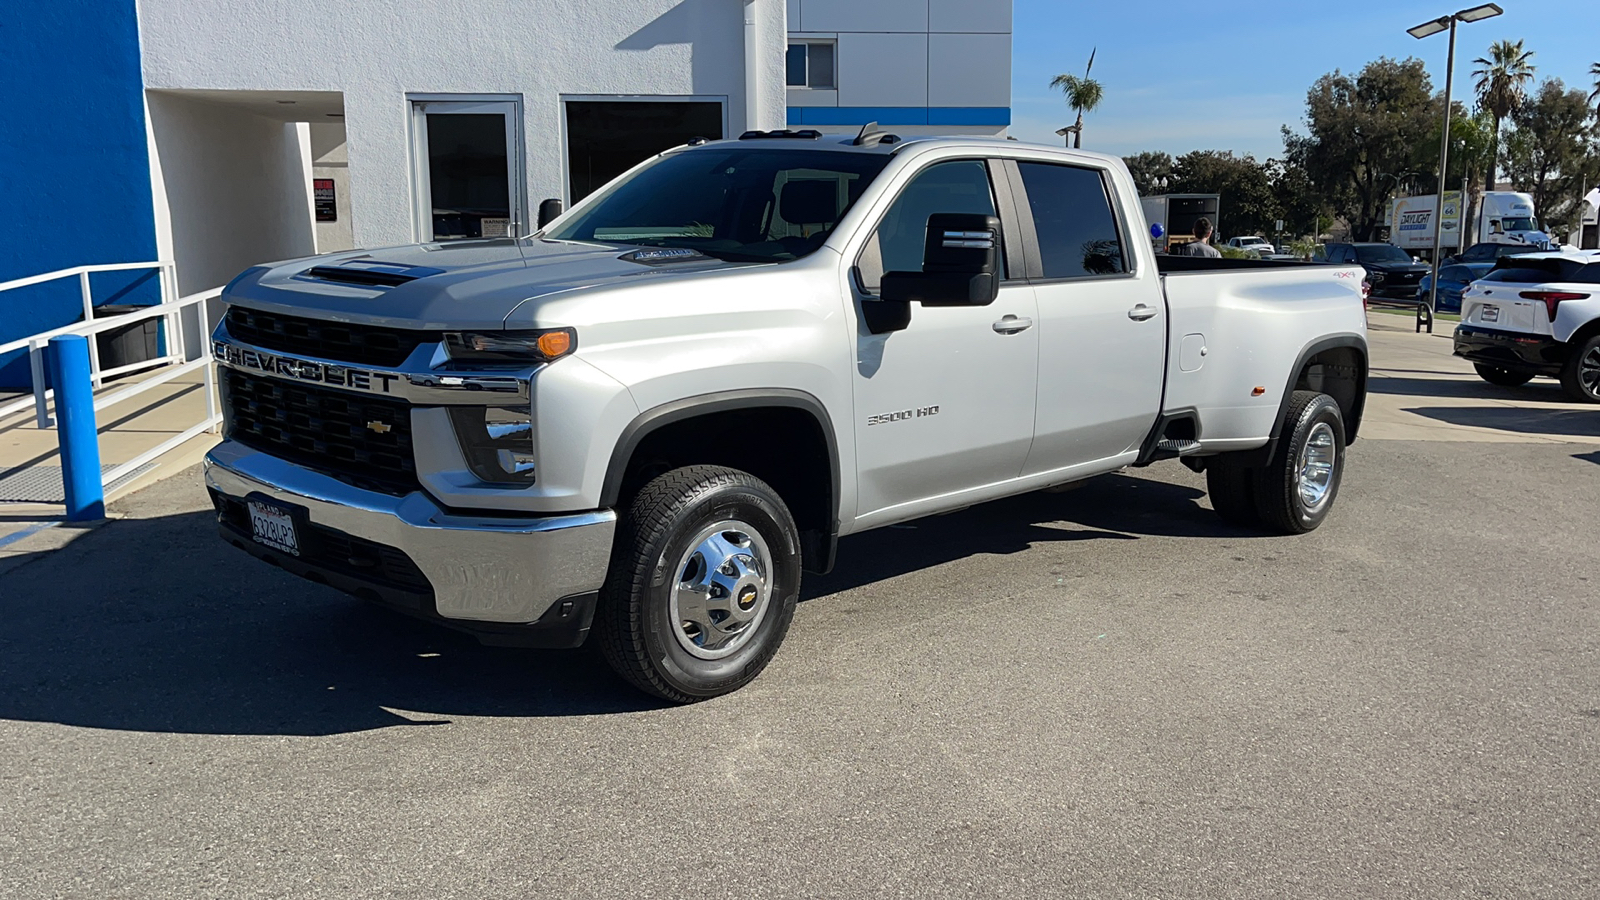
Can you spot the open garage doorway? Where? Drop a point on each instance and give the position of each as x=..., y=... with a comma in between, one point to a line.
x=608, y=136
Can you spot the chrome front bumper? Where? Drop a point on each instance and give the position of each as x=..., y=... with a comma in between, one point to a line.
x=499, y=570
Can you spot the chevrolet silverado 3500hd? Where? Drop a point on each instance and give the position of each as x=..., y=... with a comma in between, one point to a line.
x=645, y=419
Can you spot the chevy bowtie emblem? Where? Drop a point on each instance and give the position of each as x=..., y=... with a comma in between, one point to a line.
x=377, y=427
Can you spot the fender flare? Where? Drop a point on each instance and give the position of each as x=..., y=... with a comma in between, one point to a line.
x=649, y=421
x=1353, y=421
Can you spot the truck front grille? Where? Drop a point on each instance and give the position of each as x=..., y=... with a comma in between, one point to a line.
x=365, y=441
x=338, y=341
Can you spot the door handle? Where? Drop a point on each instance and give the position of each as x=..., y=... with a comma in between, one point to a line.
x=1010, y=324
x=1141, y=312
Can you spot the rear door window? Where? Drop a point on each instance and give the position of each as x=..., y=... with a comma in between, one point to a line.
x=1078, y=233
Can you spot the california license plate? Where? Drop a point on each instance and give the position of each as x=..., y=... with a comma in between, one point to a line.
x=1490, y=314
x=273, y=526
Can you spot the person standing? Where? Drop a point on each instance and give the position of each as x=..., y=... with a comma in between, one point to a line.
x=1201, y=245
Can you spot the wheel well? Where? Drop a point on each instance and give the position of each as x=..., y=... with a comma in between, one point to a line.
x=1341, y=373
x=784, y=446
x=1585, y=331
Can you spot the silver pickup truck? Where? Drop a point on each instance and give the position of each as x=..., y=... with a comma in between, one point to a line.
x=647, y=418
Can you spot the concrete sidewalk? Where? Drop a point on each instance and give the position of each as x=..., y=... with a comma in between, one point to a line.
x=1419, y=391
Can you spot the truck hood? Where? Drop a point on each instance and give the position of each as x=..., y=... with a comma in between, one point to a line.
x=457, y=285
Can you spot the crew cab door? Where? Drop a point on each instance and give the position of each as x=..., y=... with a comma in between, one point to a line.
x=1102, y=321
x=945, y=404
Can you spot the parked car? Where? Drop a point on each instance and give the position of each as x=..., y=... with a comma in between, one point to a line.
x=1251, y=242
x=1536, y=314
x=648, y=417
x=1486, y=253
x=1453, y=279
x=1394, y=274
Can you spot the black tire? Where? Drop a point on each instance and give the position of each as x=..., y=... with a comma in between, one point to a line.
x=1279, y=499
x=638, y=636
x=1580, y=377
x=1502, y=377
x=1232, y=489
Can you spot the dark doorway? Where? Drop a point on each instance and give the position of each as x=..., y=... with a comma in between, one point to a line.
x=468, y=174
x=607, y=137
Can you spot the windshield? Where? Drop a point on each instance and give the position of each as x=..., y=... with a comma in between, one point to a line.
x=1380, y=253
x=743, y=203
x=1519, y=223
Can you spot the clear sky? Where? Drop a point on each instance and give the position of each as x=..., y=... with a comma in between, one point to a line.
x=1188, y=76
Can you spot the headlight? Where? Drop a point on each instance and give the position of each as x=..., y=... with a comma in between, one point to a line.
x=497, y=443
x=510, y=346
x=1375, y=277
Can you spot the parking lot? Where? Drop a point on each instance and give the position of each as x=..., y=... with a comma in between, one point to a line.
x=1101, y=692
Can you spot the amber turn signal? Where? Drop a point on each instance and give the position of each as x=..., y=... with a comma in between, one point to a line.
x=1259, y=390
x=555, y=343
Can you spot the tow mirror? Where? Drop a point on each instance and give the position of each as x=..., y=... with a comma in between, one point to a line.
x=960, y=264
x=548, y=210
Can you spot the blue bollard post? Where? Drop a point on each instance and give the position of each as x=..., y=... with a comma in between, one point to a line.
x=75, y=427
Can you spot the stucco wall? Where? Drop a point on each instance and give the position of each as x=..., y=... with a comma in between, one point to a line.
x=536, y=49
x=236, y=187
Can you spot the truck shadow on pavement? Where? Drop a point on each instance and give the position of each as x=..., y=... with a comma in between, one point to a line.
x=153, y=624
x=1111, y=507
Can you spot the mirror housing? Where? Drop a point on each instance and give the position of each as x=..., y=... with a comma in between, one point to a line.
x=548, y=210
x=960, y=264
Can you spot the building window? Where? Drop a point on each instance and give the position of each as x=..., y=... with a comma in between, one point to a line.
x=811, y=65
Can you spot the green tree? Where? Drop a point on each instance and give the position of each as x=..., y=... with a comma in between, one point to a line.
x=1083, y=95
x=1361, y=132
x=1247, y=203
x=1151, y=170
x=1552, y=151
x=1502, y=82
x=1303, y=205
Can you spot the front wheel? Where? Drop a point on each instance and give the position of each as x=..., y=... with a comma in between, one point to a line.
x=1580, y=377
x=1502, y=377
x=703, y=584
x=1296, y=488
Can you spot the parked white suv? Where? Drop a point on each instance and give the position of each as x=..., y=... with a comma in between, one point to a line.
x=1536, y=314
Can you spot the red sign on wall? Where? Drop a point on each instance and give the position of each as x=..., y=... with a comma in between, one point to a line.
x=322, y=196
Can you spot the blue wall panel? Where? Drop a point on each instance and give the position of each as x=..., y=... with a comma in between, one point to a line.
x=74, y=166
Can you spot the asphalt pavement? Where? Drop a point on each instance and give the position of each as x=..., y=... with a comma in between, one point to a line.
x=1098, y=693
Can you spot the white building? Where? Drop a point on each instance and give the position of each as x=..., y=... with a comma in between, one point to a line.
x=222, y=133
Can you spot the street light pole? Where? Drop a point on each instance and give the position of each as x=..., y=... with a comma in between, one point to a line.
x=1475, y=14
x=1444, y=162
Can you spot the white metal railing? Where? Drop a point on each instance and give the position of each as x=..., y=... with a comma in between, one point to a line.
x=171, y=330
x=171, y=313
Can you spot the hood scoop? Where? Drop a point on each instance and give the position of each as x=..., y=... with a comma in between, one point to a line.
x=369, y=273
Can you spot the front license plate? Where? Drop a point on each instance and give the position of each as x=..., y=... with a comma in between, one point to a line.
x=274, y=526
x=1490, y=314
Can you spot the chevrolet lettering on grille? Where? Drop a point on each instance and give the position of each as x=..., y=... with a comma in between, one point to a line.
x=304, y=369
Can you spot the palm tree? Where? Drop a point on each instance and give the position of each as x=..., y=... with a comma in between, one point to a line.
x=1502, y=82
x=1083, y=95
x=1594, y=70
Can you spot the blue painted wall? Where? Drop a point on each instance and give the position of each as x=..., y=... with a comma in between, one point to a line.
x=74, y=166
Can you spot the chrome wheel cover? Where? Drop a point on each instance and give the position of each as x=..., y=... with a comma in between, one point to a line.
x=720, y=589
x=1319, y=458
x=1589, y=372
